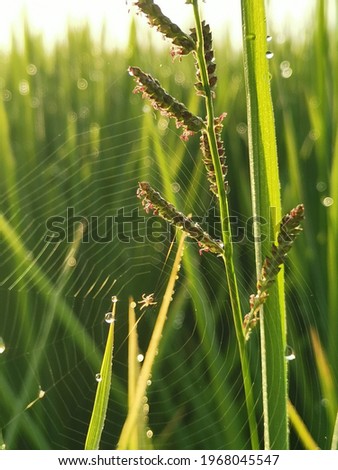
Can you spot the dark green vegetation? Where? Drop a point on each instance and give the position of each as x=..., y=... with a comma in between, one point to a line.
x=72, y=135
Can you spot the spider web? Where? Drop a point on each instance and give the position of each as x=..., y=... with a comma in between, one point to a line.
x=55, y=292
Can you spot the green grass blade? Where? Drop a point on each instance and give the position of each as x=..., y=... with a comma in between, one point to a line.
x=332, y=264
x=334, y=445
x=301, y=429
x=265, y=194
x=99, y=412
x=326, y=378
x=228, y=256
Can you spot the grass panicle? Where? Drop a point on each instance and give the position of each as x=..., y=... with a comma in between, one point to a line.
x=152, y=200
x=288, y=231
x=209, y=58
x=167, y=104
x=183, y=43
x=207, y=157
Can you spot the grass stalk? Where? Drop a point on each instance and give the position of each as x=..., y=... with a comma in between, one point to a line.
x=138, y=437
x=301, y=429
x=133, y=413
x=226, y=231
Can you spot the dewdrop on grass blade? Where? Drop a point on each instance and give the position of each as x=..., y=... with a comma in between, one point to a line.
x=289, y=353
x=109, y=317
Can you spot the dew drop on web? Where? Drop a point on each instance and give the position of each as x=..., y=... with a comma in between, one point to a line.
x=140, y=358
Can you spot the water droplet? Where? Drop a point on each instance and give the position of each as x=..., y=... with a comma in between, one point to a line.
x=286, y=73
x=327, y=201
x=71, y=261
x=24, y=87
x=284, y=65
x=133, y=304
x=84, y=112
x=42, y=393
x=72, y=116
x=31, y=69
x=242, y=128
x=2, y=345
x=162, y=124
x=98, y=377
x=321, y=186
x=114, y=299
x=175, y=187
x=180, y=78
x=148, y=382
x=149, y=433
x=324, y=402
x=146, y=108
x=269, y=38
x=289, y=353
x=109, y=317
x=140, y=358
x=269, y=54
x=6, y=95
x=82, y=84
x=146, y=408
x=35, y=103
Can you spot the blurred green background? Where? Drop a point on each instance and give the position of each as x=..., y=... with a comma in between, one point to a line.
x=73, y=135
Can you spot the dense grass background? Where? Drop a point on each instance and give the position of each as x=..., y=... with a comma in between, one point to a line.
x=73, y=135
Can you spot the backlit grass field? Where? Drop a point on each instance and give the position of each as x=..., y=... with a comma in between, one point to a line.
x=74, y=143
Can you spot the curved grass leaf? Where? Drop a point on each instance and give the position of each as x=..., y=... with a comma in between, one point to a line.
x=98, y=415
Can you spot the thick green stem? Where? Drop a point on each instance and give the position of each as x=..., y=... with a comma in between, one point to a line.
x=226, y=231
x=266, y=205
